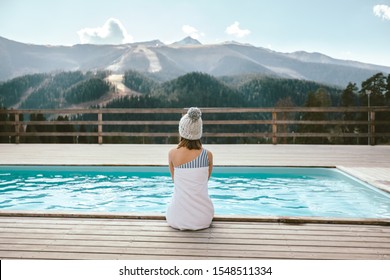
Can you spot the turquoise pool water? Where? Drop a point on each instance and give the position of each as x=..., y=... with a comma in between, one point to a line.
x=315, y=192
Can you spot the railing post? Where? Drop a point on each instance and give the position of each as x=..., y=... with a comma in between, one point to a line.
x=100, y=127
x=17, y=129
x=274, y=128
x=372, y=127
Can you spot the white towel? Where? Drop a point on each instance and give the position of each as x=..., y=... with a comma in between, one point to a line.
x=191, y=207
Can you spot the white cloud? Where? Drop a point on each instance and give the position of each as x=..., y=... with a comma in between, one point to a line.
x=112, y=32
x=382, y=11
x=235, y=30
x=192, y=31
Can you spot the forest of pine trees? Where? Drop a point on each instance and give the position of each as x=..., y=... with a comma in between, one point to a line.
x=50, y=91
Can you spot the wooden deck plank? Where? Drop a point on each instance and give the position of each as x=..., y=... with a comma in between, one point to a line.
x=89, y=256
x=281, y=234
x=178, y=253
x=242, y=239
x=198, y=252
x=139, y=245
x=21, y=237
x=4, y=222
x=205, y=250
x=103, y=229
x=10, y=221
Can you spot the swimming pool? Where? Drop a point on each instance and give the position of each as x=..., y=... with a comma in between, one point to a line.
x=259, y=191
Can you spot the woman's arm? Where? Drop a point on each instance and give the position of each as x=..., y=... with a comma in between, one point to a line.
x=171, y=166
x=210, y=156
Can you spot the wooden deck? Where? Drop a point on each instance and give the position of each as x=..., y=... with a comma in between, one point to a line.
x=69, y=236
x=108, y=238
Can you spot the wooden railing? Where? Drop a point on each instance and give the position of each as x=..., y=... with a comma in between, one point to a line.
x=334, y=125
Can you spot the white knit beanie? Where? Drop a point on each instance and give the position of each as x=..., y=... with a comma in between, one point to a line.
x=190, y=126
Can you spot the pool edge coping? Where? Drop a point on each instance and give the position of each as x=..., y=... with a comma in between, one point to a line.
x=217, y=218
x=361, y=176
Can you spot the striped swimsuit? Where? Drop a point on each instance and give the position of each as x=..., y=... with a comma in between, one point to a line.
x=201, y=161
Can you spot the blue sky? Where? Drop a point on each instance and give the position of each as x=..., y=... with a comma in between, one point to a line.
x=347, y=29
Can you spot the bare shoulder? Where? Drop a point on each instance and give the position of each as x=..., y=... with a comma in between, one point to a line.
x=172, y=152
x=210, y=155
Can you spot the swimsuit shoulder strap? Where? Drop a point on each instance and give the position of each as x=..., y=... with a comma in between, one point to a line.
x=200, y=161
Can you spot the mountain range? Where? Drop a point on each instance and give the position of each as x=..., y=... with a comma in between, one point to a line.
x=165, y=62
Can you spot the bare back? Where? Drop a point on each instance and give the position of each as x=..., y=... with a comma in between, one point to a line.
x=183, y=155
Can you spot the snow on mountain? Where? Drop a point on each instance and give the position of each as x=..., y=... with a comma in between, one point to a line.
x=321, y=58
x=188, y=55
x=186, y=42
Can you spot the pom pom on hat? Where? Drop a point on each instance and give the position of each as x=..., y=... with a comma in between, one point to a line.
x=194, y=113
x=190, y=126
